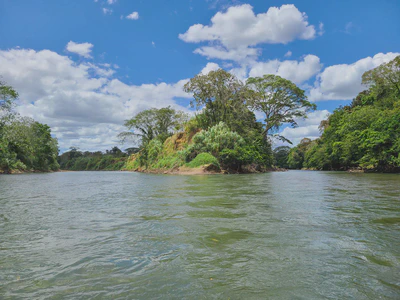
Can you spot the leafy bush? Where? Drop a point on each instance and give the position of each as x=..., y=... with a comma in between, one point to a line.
x=213, y=141
x=153, y=148
x=203, y=159
x=169, y=162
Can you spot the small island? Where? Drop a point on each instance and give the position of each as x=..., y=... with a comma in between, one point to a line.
x=224, y=135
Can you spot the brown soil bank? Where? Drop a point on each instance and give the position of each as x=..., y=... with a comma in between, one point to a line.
x=208, y=170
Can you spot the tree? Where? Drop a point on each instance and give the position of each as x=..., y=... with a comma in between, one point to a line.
x=384, y=78
x=296, y=155
x=281, y=156
x=154, y=123
x=280, y=100
x=222, y=98
x=365, y=134
x=7, y=96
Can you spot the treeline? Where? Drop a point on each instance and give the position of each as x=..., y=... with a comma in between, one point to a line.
x=364, y=134
x=225, y=132
x=25, y=145
x=111, y=160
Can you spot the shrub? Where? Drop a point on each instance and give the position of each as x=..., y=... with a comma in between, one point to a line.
x=169, y=162
x=213, y=141
x=203, y=159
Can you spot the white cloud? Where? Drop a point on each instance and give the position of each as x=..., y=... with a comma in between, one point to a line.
x=242, y=54
x=296, y=71
x=288, y=54
x=343, y=82
x=83, y=110
x=107, y=11
x=83, y=49
x=111, y=1
x=133, y=16
x=321, y=30
x=238, y=29
x=209, y=67
x=153, y=44
x=307, y=128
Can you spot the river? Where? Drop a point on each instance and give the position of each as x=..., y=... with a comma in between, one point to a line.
x=123, y=235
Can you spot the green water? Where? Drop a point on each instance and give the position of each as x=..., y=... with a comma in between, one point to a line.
x=120, y=235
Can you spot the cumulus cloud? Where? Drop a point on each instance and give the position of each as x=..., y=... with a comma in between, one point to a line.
x=307, y=128
x=343, y=82
x=239, y=29
x=296, y=71
x=83, y=49
x=133, y=16
x=82, y=104
x=288, y=54
x=209, y=67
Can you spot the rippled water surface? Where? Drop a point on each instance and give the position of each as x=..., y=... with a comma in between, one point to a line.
x=120, y=235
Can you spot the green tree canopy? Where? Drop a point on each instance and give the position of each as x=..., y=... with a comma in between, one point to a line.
x=281, y=156
x=222, y=98
x=154, y=123
x=365, y=134
x=7, y=96
x=384, y=79
x=280, y=100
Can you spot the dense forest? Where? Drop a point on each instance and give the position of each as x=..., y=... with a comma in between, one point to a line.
x=224, y=134
x=25, y=145
x=111, y=160
x=364, y=135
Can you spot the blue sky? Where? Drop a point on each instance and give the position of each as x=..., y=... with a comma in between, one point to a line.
x=84, y=66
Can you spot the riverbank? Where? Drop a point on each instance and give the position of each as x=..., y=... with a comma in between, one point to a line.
x=358, y=170
x=17, y=171
x=208, y=169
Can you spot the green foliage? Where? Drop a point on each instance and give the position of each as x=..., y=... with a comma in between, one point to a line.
x=241, y=155
x=154, y=148
x=297, y=154
x=384, y=80
x=281, y=155
x=222, y=98
x=75, y=160
x=365, y=134
x=169, y=162
x=226, y=127
x=213, y=141
x=30, y=143
x=24, y=143
x=203, y=159
x=154, y=123
x=7, y=97
x=279, y=99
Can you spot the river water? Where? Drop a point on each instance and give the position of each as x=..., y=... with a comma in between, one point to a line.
x=122, y=235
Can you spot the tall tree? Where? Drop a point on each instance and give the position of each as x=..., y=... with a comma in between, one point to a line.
x=7, y=97
x=384, y=78
x=222, y=98
x=280, y=100
x=153, y=123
